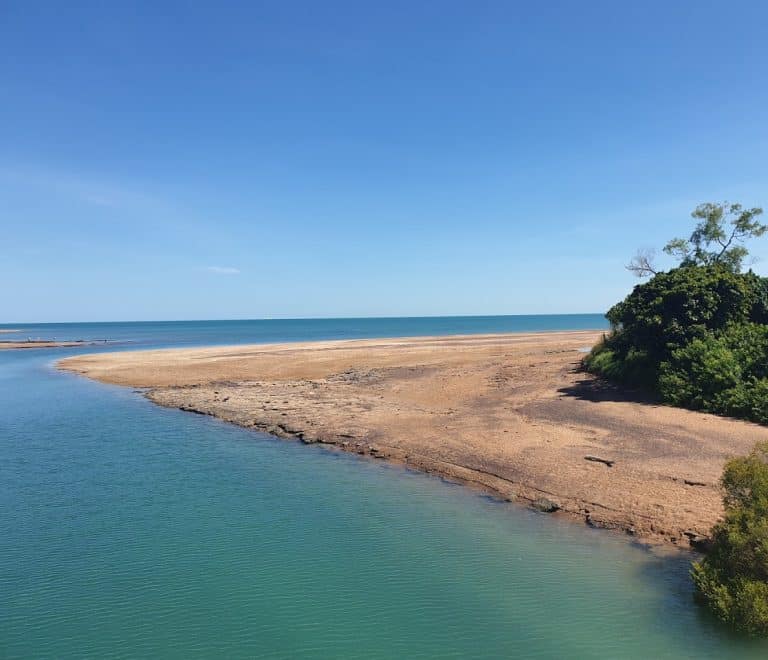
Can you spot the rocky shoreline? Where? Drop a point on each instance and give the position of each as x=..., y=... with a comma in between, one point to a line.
x=593, y=514
x=509, y=414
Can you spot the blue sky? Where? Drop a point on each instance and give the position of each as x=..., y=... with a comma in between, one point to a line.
x=298, y=159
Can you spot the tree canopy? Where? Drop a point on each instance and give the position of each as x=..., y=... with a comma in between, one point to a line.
x=697, y=334
x=717, y=239
x=733, y=578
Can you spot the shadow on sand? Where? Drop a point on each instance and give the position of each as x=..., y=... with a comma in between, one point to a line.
x=596, y=389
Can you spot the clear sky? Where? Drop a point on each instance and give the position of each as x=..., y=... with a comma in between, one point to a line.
x=293, y=159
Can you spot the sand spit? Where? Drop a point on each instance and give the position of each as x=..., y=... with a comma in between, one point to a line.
x=35, y=343
x=9, y=344
x=512, y=414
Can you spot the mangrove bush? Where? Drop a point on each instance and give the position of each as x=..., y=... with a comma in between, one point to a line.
x=733, y=577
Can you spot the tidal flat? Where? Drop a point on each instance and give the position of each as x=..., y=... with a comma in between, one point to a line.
x=512, y=414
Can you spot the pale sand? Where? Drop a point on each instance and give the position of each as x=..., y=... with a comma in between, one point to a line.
x=512, y=414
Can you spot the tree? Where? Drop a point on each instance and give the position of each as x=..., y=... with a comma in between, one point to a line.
x=642, y=263
x=670, y=310
x=733, y=578
x=713, y=241
x=697, y=336
x=718, y=239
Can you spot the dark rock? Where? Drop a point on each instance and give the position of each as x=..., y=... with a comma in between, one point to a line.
x=691, y=482
x=545, y=505
x=597, y=459
x=698, y=541
x=192, y=409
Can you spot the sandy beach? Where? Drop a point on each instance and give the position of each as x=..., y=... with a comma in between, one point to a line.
x=511, y=414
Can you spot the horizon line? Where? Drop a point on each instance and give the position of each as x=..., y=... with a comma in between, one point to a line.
x=308, y=318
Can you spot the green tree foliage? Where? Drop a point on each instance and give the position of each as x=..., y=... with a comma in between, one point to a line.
x=717, y=239
x=733, y=578
x=669, y=311
x=726, y=372
x=696, y=335
x=713, y=241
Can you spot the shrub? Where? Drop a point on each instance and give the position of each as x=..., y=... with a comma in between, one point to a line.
x=628, y=365
x=673, y=308
x=759, y=295
x=697, y=336
x=723, y=372
x=601, y=359
x=733, y=578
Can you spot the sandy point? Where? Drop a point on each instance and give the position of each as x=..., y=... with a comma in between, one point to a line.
x=513, y=414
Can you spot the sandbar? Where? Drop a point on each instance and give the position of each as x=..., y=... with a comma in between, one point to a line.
x=512, y=414
x=38, y=343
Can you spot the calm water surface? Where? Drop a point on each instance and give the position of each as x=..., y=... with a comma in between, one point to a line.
x=187, y=333
x=129, y=530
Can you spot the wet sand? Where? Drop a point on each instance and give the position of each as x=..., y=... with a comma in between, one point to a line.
x=511, y=414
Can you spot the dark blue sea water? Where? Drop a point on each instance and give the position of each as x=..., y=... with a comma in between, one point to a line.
x=188, y=333
x=132, y=531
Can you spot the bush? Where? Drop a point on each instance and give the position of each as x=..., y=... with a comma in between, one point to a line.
x=733, y=578
x=759, y=294
x=697, y=336
x=601, y=359
x=673, y=308
x=723, y=372
x=613, y=361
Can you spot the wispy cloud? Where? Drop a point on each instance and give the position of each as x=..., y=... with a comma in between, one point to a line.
x=223, y=270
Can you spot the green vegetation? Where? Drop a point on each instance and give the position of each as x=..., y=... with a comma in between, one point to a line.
x=726, y=372
x=697, y=334
x=713, y=241
x=733, y=578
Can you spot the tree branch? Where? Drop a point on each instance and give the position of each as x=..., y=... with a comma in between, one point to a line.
x=642, y=264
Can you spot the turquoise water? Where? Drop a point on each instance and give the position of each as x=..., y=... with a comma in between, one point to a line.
x=129, y=530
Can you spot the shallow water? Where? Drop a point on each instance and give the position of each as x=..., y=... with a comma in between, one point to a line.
x=129, y=530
